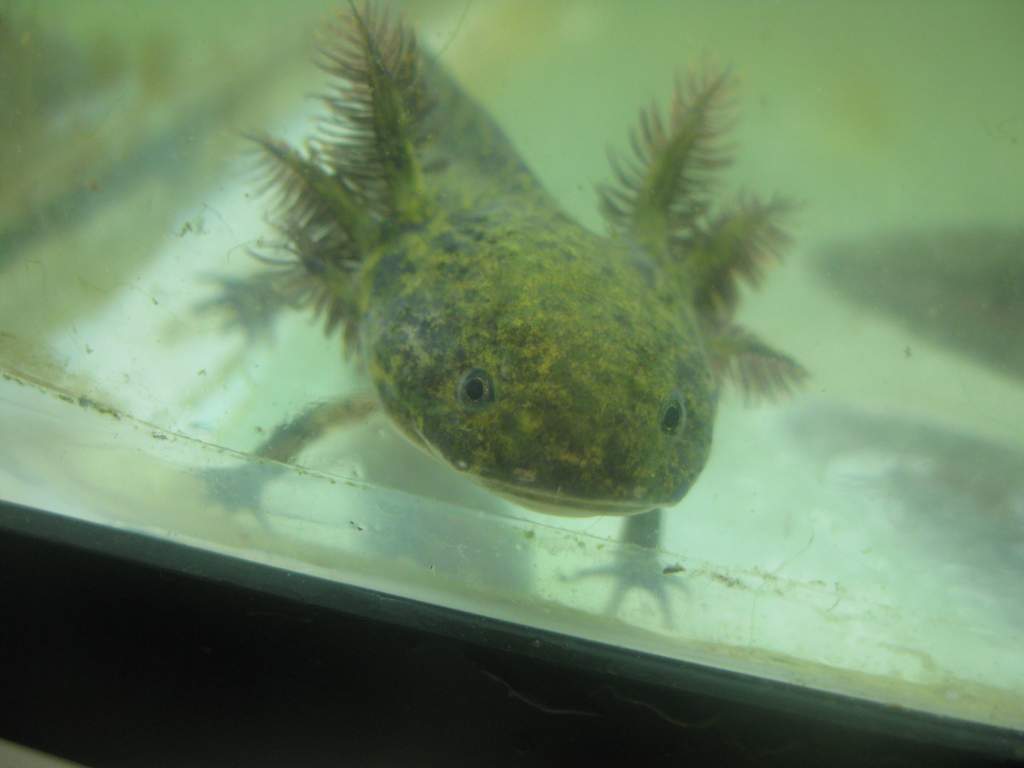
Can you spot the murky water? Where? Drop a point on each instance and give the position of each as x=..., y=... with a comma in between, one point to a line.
x=866, y=535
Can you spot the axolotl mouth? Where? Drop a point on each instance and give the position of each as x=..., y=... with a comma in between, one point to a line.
x=566, y=505
x=542, y=500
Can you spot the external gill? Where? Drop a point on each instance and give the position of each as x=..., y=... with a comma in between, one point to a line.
x=662, y=191
x=360, y=179
x=662, y=202
x=376, y=109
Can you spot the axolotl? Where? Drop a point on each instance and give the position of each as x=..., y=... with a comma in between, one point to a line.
x=572, y=372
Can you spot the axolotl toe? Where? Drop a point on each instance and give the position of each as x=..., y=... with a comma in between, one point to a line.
x=576, y=373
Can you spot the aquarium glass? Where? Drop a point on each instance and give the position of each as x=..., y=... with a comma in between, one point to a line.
x=864, y=534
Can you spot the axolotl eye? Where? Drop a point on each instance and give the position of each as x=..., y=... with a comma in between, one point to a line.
x=476, y=389
x=673, y=415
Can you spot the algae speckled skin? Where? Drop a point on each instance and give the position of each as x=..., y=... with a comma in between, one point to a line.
x=583, y=350
x=576, y=373
x=581, y=356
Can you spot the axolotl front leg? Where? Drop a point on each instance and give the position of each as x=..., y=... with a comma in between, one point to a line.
x=241, y=488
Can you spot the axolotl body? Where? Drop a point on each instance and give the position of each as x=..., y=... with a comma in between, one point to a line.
x=572, y=372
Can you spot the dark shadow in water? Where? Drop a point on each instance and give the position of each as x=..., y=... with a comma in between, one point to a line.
x=954, y=494
x=960, y=287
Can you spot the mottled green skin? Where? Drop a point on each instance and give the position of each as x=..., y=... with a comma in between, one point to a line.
x=585, y=338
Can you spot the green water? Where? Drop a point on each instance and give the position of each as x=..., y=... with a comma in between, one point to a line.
x=866, y=536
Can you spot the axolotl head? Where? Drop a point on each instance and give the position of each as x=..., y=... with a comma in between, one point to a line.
x=555, y=372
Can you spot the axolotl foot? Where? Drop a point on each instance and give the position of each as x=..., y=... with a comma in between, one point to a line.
x=637, y=567
x=239, y=488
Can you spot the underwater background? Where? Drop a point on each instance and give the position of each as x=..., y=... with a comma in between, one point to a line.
x=865, y=536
